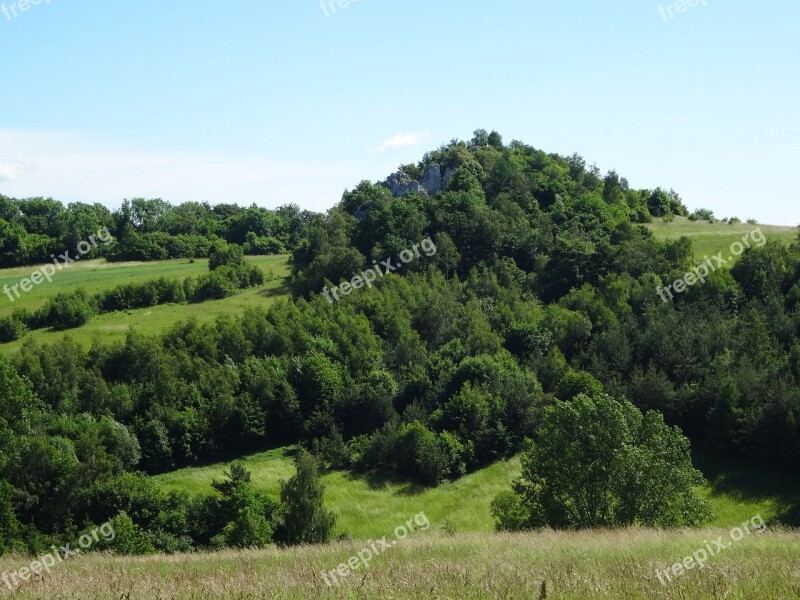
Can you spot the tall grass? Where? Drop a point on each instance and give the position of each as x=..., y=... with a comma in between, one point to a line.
x=553, y=565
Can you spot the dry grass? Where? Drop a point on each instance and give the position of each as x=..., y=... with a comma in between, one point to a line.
x=618, y=564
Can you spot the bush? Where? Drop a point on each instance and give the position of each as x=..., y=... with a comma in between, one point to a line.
x=213, y=286
x=702, y=214
x=229, y=255
x=10, y=528
x=12, y=328
x=67, y=310
x=254, y=245
x=128, y=537
x=142, y=295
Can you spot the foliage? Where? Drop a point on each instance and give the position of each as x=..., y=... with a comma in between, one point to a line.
x=33, y=229
x=598, y=462
x=304, y=518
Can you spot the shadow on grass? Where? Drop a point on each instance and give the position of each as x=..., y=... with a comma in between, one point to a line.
x=377, y=481
x=280, y=290
x=750, y=481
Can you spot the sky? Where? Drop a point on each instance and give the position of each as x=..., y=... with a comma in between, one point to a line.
x=278, y=101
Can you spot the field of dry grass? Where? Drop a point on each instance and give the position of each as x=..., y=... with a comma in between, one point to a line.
x=554, y=565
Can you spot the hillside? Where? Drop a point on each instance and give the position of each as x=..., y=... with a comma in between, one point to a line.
x=369, y=505
x=98, y=275
x=708, y=238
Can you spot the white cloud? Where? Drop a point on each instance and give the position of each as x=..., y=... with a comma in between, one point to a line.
x=678, y=118
x=404, y=140
x=10, y=170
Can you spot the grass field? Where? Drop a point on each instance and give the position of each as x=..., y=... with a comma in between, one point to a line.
x=98, y=275
x=369, y=506
x=430, y=565
x=710, y=238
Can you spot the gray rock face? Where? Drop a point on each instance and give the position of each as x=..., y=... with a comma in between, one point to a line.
x=433, y=182
x=400, y=184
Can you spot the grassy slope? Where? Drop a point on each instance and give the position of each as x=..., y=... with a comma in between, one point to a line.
x=96, y=275
x=710, y=238
x=368, y=507
x=429, y=565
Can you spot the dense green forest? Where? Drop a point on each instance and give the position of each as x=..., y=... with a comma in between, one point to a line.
x=541, y=296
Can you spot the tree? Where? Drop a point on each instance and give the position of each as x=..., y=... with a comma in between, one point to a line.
x=577, y=382
x=249, y=514
x=598, y=462
x=10, y=538
x=419, y=454
x=305, y=518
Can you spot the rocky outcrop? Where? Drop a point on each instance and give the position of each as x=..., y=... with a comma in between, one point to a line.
x=401, y=183
x=433, y=182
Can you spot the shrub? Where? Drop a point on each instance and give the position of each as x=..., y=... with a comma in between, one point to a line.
x=67, y=310
x=419, y=454
x=225, y=255
x=12, y=328
x=212, y=286
x=702, y=214
x=262, y=245
x=128, y=537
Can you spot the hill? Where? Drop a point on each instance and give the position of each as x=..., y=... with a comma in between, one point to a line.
x=513, y=296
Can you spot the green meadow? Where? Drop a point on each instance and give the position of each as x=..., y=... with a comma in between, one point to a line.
x=99, y=275
x=710, y=238
x=371, y=505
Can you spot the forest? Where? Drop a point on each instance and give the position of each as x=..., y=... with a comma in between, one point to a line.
x=538, y=312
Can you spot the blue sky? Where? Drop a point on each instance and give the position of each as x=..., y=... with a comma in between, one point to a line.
x=272, y=101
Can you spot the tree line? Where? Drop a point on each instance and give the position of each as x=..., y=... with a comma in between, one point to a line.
x=33, y=229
